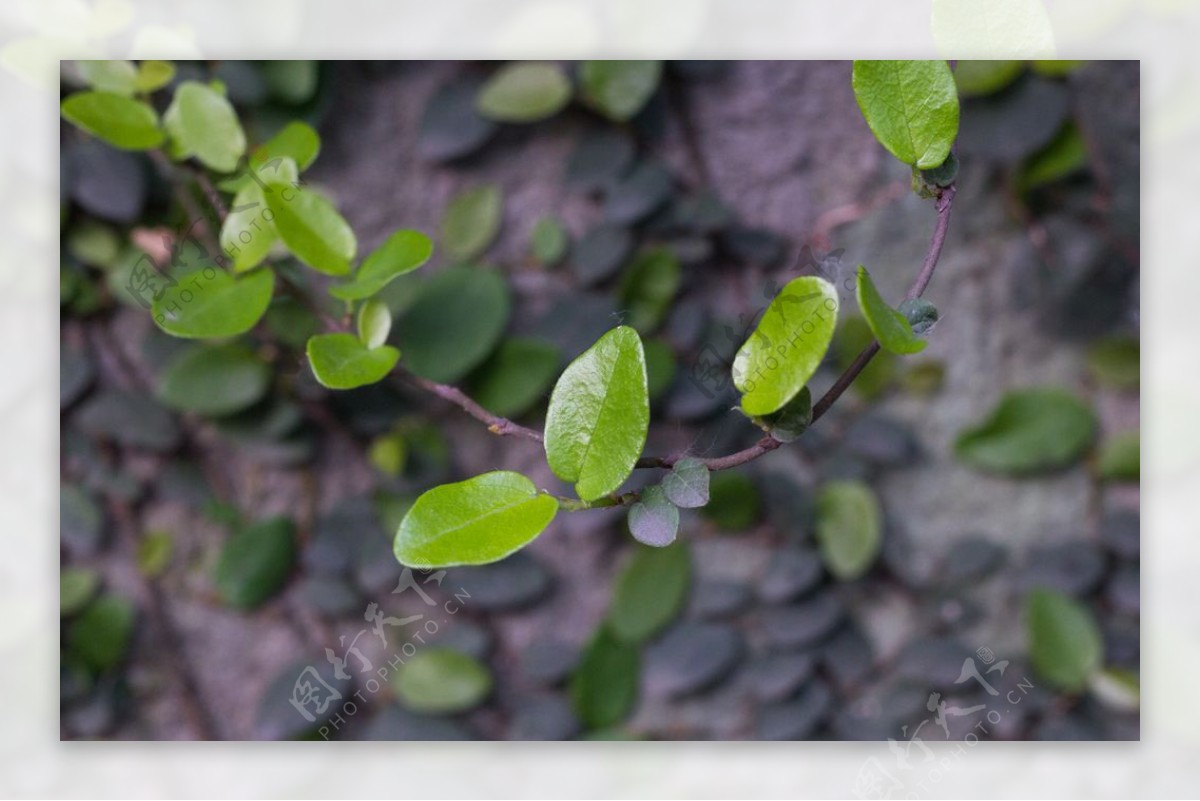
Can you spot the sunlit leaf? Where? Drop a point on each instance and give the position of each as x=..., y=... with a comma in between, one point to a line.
x=910, y=106
x=210, y=303
x=343, y=361
x=202, y=123
x=890, y=327
x=401, y=253
x=121, y=121
x=524, y=91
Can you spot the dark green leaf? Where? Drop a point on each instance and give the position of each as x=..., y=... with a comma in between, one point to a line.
x=654, y=520
x=852, y=336
x=311, y=228
x=660, y=367
x=734, y=503
x=524, y=91
x=920, y=314
x=599, y=414
x=1065, y=155
x=849, y=528
x=442, y=681
x=471, y=221
x=214, y=380
x=255, y=563
x=1116, y=362
x=1121, y=457
x=787, y=424
x=374, y=323
x=549, y=241
x=202, y=123
x=1064, y=642
x=619, y=89
x=910, y=106
x=211, y=303
x=604, y=688
x=342, y=361
x=515, y=377
x=473, y=522
x=293, y=81
x=650, y=592
x=687, y=483
x=1030, y=431
x=648, y=287
x=402, y=252
x=121, y=121
x=100, y=637
x=890, y=327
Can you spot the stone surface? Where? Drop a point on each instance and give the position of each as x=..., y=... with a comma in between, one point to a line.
x=691, y=657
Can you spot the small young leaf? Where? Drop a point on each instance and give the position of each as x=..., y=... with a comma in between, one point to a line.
x=515, y=377
x=604, y=688
x=549, y=241
x=247, y=233
x=115, y=76
x=374, y=323
x=311, y=228
x=442, y=681
x=255, y=563
x=202, y=123
x=849, y=531
x=619, y=89
x=920, y=314
x=297, y=141
x=686, y=485
x=212, y=304
x=1064, y=641
x=154, y=75
x=1030, y=431
x=654, y=520
x=910, y=106
x=214, y=380
x=1121, y=457
x=599, y=414
x=473, y=522
x=525, y=91
x=471, y=221
x=890, y=327
x=100, y=637
x=402, y=252
x=121, y=121
x=786, y=348
x=342, y=361
x=649, y=592
x=648, y=287
x=1116, y=362
x=787, y=424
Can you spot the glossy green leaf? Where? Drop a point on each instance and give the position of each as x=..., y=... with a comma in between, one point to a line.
x=154, y=75
x=248, y=231
x=787, y=424
x=342, y=361
x=686, y=485
x=599, y=414
x=910, y=106
x=76, y=587
x=473, y=522
x=214, y=380
x=455, y=322
x=524, y=91
x=1121, y=457
x=515, y=377
x=604, y=688
x=976, y=77
x=441, y=681
x=648, y=287
x=402, y=252
x=619, y=89
x=311, y=228
x=121, y=121
x=849, y=528
x=1065, y=155
x=890, y=327
x=1065, y=646
x=116, y=76
x=734, y=502
x=255, y=563
x=471, y=221
x=1030, y=431
x=202, y=123
x=211, y=303
x=1116, y=362
x=549, y=241
x=654, y=520
x=786, y=348
x=650, y=592
x=100, y=636
x=374, y=323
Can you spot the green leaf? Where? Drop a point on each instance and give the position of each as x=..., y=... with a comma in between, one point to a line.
x=388, y=453
x=255, y=563
x=154, y=553
x=686, y=485
x=604, y=688
x=202, y=123
x=920, y=314
x=515, y=377
x=297, y=141
x=910, y=106
x=787, y=424
x=549, y=241
x=454, y=324
x=619, y=89
x=311, y=228
x=211, y=303
x=154, y=75
x=1056, y=68
x=292, y=81
x=1065, y=155
x=654, y=520
x=524, y=91
x=660, y=367
x=849, y=529
x=473, y=522
x=471, y=221
x=788, y=345
x=441, y=681
x=852, y=336
x=1116, y=362
x=734, y=503
x=1030, y=431
x=648, y=287
x=76, y=587
x=983, y=77
x=402, y=252
x=890, y=327
x=374, y=323
x=121, y=121
x=214, y=380
x=100, y=637
x=1121, y=457
x=342, y=361
x=120, y=77
x=1117, y=689
x=650, y=592
x=248, y=233
x=1064, y=641
x=599, y=414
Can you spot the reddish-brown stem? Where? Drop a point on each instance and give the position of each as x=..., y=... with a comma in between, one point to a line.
x=496, y=424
